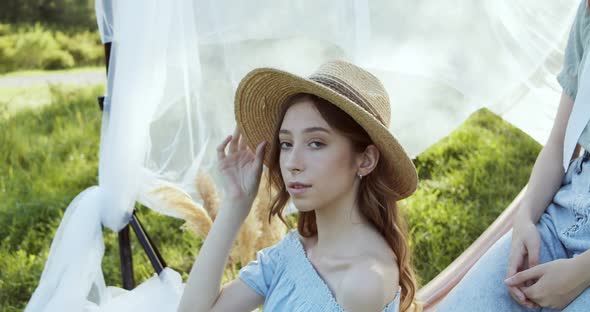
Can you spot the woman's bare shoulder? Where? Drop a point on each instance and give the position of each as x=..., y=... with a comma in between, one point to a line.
x=369, y=284
x=372, y=280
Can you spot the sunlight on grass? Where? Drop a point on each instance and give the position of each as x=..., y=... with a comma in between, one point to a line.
x=15, y=99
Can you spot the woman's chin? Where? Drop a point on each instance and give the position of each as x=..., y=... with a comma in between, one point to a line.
x=302, y=206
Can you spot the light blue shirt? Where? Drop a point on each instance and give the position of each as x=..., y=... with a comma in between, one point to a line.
x=288, y=281
x=575, y=56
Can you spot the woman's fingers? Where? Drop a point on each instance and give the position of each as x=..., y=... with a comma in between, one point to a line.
x=520, y=296
x=515, y=260
x=517, y=295
x=233, y=145
x=531, y=292
x=533, y=247
x=221, y=148
x=259, y=154
x=238, y=144
x=524, y=276
x=242, y=146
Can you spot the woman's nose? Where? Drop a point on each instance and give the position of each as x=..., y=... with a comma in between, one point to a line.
x=294, y=160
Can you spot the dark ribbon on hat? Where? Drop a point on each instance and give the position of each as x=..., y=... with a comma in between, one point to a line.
x=341, y=87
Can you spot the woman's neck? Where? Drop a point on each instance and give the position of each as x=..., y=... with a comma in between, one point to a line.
x=338, y=226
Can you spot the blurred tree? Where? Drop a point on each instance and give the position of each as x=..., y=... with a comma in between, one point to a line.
x=77, y=14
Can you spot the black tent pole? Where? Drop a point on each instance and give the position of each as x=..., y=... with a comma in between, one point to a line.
x=148, y=246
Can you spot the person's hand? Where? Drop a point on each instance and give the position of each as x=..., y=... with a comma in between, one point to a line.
x=554, y=284
x=241, y=170
x=524, y=254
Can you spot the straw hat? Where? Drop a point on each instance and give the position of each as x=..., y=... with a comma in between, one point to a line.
x=354, y=90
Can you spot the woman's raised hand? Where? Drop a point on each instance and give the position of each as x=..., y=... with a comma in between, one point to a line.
x=241, y=170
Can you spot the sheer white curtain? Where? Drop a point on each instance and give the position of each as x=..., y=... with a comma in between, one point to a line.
x=152, y=88
x=175, y=66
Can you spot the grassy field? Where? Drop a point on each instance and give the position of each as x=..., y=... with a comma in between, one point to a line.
x=15, y=99
x=31, y=92
x=49, y=155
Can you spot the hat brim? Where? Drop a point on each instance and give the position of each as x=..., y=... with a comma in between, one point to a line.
x=258, y=101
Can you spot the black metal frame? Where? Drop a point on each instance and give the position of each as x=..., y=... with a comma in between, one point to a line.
x=125, y=253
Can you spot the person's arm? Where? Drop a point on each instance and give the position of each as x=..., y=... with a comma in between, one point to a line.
x=544, y=182
x=548, y=171
x=583, y=267
x=202, y=291
x=241, y=170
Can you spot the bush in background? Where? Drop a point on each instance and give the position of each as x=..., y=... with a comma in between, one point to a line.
x=36, y=47
x=84, y=46
x=78, y=14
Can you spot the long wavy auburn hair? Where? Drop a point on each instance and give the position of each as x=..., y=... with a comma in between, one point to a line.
x=376, y=199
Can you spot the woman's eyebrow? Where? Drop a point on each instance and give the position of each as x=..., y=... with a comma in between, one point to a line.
x=306, y=130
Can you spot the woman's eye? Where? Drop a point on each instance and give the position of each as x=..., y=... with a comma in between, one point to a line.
x=313, y=144
x=316, y=144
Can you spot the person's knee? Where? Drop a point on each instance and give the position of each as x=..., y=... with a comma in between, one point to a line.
x=484, y=281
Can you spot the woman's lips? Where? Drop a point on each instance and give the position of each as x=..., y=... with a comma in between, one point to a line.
x=298, y=188
x=298, y=191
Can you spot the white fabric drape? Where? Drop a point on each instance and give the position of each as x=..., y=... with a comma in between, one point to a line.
x=148, y=80
x=175, y=65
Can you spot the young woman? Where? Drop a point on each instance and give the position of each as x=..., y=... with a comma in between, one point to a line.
x=544, y=262
x=331, y=154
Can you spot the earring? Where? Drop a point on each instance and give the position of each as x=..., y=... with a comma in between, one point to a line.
x=360, y=176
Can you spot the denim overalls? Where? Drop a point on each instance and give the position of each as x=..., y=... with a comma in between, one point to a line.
x=565, y=233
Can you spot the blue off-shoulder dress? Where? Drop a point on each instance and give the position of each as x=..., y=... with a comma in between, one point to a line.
x=283, y=275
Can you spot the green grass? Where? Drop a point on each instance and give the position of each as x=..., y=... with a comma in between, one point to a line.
x=466, y=181
x=49, y=155
x=15, y=99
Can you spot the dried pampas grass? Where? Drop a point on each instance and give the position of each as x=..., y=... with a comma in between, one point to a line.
x=273, y=231
x=176, y=201
x=208, y=192
x=256, y=232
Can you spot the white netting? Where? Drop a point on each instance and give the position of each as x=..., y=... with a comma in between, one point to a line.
x=175, y=66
